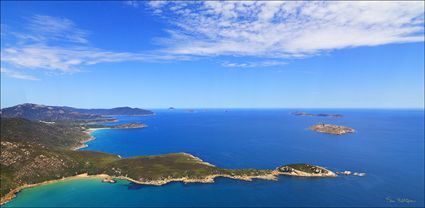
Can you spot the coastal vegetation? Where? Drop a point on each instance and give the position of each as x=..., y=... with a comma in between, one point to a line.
x=55, y=135
x=36, y=152
x=119, y=126
x=63, y=113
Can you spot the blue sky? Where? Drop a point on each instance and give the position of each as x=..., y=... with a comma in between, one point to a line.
x=213, y=54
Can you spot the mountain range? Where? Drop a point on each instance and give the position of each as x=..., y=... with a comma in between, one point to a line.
x=57, y=113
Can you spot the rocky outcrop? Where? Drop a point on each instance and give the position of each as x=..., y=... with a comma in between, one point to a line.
x=108, y=180
x=305, y=170
x=332, y=129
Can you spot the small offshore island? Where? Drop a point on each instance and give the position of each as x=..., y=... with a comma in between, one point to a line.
x=36, y=152
x=318, y=114
x=332, y=129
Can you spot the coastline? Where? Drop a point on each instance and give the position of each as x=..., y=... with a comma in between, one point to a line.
x=266, y=175
x=208, y=179
x=90, y=138
x=12, y=194
x=298, y=173
x=91, y=130
x=272, y=175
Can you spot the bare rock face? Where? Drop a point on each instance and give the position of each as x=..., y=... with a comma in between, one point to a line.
x=108, y=180
x=332, y=129
x=305, y=170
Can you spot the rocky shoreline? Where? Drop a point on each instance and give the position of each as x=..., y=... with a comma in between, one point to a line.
x=305, y=170
x=207, y=179
x=272, y=175
x=91, y=130
x=269, y=175
x=83, y=142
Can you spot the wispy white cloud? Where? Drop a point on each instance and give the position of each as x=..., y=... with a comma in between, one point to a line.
x=48, y=29
x=252, y=64
x=69, y=59
x=274, y=29
x=59, y=58
x=135, y=4
x=267, y=29
x=39, y=48
x=56, y=28
x=17, y=75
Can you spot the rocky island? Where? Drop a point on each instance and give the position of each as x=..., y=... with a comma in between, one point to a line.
x=318, y=114
x=331, y=129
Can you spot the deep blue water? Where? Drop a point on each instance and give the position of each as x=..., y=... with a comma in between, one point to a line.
x=388, y=146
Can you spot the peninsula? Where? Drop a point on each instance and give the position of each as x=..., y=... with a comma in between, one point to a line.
x=91, y=127
x=332, y=129
x=35, y=153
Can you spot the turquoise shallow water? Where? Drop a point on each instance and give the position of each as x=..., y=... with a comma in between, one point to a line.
x=388, y=146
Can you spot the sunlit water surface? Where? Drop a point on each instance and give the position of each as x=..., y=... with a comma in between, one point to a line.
x=388, y=146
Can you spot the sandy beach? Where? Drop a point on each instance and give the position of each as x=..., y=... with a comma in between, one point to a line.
x=12, y=194
x=207, y=179
x=90, y=130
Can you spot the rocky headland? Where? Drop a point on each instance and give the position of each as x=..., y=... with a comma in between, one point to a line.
x=178, y=167
x=129, y=126
x=305, y=170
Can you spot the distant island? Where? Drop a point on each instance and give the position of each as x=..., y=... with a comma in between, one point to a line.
x=332, y=129
x=318, y=114
x=36, y=152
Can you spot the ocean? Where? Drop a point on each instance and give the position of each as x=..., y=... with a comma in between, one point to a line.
x=388, y=146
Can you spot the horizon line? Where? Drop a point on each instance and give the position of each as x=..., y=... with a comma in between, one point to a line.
x=161, y=108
